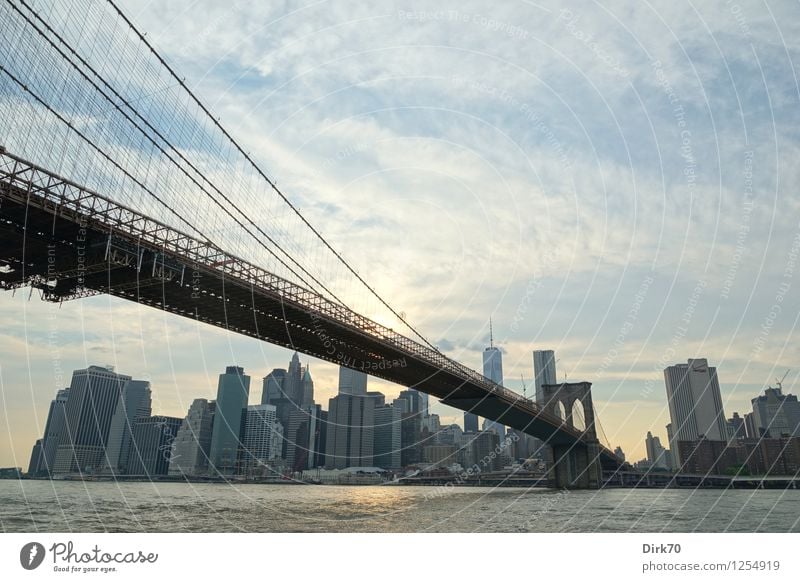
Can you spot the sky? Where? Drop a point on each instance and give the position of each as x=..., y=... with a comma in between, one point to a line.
x=616, y=182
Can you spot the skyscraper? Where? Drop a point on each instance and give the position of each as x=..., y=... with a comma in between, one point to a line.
x=262, y=436
x=409, y=402
x=54, y=428
x=290, y=391
x=273, y=386
x=192, y=444
x=387, y=435
x=424, y=403
x=293, y=383
x=656, y=453
x=544, y=371
x=776, y=414
x=695, y=404
x=351, y=421
x=232, y=393
x=307, y=384
x=470, y=422
x=151, y=445
x=306, y=438
x=352, y=382
x=35, y=462
x=91, y=403
x=135, y=402
x=493, y=369
x=736, y=428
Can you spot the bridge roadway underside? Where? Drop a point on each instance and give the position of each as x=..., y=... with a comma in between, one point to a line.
x=67, y=257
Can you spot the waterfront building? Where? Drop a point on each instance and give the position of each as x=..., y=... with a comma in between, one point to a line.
x=192, y=444
x=776, y=414
x=151, y=445
x=232, y=394
x=440, y=455
x=134, y=402
x=388, y=437
x=306, y=435
x=54, y=429
x=656, y=453
x=736, y=427
x=262, y=436
x=695, y=404
x=350, y=438
x=91, y=403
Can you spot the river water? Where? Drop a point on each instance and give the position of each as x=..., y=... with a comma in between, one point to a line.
x=63, y=506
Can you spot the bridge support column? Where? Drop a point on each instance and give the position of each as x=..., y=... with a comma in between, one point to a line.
x=577, y=466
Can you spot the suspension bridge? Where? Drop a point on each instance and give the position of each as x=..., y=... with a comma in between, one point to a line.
x=116, y=179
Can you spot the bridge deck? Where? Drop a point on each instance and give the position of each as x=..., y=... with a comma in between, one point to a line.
x=70, y=242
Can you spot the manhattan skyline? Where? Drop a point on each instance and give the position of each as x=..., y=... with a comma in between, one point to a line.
x=566, y=199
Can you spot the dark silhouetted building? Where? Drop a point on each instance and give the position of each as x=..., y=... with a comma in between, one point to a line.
x=232, y=394
x=151, y=445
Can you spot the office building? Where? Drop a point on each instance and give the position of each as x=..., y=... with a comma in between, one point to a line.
x=350, y=438
x=232, y=394
x=736, y=427
x=493, y=370
x=656, y=453
x=91, y=403
x=409, y=402
x=440, y=455
x=424, y=403
x=135, y=402
x=470, y=422
x=35, y=462
x=54, y=429
x=262, y=436
x=352, y=382
x=293, y=382
x=290, y=391
x=449, y=435
x=192, y=444
x=388, y=437
x=484, y=446
x=306, y=435
x=544, y=371
x=775, y=414
x=307, y=385
x=151, y=445
x=750, y=426
x=411, y=441
x=272, y=389
x=695, y=404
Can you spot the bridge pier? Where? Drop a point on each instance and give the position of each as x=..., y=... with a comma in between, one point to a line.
x=575, y=465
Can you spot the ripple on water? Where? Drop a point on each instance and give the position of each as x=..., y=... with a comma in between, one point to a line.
x=181, y=507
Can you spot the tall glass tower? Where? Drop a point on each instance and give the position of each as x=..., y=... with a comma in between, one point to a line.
x=493, y=369
x=232, y=393
x=544, y=371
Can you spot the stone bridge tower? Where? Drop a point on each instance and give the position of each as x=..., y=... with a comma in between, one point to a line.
x=577, y=465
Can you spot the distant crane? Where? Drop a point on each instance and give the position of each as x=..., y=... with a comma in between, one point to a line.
x=524, y=387
x=779, y=383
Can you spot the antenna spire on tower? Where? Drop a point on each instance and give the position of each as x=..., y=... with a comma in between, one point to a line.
x=491, y=334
